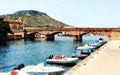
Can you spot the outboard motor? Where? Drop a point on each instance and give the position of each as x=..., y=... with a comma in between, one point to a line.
x=19, y=67
x=50, y=57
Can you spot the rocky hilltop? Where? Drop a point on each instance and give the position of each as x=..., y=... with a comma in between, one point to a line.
x=34, y=18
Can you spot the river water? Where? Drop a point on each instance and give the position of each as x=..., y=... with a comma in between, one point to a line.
x=35, y=52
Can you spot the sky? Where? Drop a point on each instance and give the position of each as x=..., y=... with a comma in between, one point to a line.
x=78, y=13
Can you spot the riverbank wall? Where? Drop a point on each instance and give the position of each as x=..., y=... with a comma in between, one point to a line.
x=98, y=63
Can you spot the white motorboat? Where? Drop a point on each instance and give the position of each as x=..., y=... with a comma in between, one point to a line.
x=86, y=46
x=62, y=60
x=81, y=47
x=95, y=44
x=40, y=68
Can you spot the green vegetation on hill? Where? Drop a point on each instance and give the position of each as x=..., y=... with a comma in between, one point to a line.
x=34, y=18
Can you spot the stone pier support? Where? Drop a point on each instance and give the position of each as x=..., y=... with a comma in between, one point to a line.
x=25, y=34
x=77, y=38
x=50, y=37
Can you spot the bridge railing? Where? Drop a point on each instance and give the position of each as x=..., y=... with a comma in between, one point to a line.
x=73, y=29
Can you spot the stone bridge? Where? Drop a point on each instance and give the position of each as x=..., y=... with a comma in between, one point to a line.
x=77, y=33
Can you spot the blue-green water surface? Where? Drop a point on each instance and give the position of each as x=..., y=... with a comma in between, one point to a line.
x=35, y=52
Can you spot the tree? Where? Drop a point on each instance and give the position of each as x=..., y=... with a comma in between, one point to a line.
x=4, y=30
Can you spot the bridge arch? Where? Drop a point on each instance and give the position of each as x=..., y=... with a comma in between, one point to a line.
x=30, y=36
x=51, y=36
x=33, y=35
x=79, y=36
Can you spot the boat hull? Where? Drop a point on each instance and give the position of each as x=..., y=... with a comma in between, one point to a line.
x=80, y=57
x=42, y=70
x=63, y=61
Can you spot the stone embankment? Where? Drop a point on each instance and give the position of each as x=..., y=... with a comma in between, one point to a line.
x=104, y=61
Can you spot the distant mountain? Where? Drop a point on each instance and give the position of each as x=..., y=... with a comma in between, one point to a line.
x=34, y=18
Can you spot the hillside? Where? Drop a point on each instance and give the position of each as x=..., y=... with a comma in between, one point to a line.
x=34, y=18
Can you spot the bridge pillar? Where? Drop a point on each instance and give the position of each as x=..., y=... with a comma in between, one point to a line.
x=25, y=34
x=115, y=35
x=77, y=38
x=49, y=37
